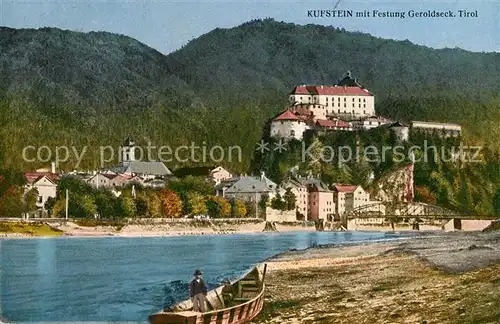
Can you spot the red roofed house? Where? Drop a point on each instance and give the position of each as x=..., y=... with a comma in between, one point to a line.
x=347, y=98
x=45, y=183
x=335, y=124
x=288, y=125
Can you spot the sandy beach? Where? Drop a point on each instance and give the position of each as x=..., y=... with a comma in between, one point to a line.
x=445, y=278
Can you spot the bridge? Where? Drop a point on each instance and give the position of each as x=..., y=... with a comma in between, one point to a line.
x=397, y=210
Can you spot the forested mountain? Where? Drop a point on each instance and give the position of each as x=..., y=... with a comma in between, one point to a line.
x=90, y=89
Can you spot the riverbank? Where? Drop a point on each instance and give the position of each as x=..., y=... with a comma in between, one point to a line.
x=23, y=230
x=90, y=229
x=445, y=278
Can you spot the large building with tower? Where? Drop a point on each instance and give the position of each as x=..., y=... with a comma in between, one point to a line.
x=347, y=99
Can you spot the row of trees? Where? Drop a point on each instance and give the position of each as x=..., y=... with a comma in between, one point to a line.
x=187, y=197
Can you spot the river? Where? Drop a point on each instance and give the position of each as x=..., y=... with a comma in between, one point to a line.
x=127, y=279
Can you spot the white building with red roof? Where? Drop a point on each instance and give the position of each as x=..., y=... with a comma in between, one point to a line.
x=347, y=98
x=289, y=125
x=45, y=183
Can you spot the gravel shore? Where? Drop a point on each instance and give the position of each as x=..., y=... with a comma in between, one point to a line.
x=443, y=278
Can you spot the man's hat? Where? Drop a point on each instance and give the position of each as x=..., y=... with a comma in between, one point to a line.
x=197, y=273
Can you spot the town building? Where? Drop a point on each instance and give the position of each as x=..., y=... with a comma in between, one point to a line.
x=250, y=188
x=108, y=180
x=299, y=189
x=401, y=130
x=349, y=197
x=288, y=125
x=219, y=174
x=333, y=124
x=321, y=203
x=368, y=123
x=346, y=99
x=130, y=166
x=46, y=185
x=439, y=129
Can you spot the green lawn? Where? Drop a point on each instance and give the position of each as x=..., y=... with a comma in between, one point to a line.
x=35, y=229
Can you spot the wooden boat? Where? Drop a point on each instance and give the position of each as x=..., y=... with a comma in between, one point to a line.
x=247, y=303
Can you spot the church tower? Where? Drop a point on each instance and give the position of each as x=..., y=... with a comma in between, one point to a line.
x=128, y=150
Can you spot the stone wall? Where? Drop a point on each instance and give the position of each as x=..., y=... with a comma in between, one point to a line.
x=274, y=215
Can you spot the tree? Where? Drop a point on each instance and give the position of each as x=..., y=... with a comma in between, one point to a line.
x=278, y=203
x=290, y=199
x=30, y=199
x=196, y=204
x=59, y=208
x=250, y=208
x=11, y=202
x=192, y=184
x=75, y=186
x=87, y=206
x=141, y=204
x=218, y=207
x=125, y=207
x=171, y=203
x=423, y=194
x=496, y=203
x=49, y=205
x=238, y=209
x=105, y=203
x=154, y=204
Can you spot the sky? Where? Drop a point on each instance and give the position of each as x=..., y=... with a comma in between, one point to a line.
x=167, y=25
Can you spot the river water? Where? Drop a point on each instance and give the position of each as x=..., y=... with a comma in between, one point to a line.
x=127, y=279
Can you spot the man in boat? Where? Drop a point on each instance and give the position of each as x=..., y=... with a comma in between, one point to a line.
x=227, y=293
x=198, y=292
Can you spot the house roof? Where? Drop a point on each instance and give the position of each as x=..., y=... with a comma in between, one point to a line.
x=32, y=177
x=227, y=183
x=325, y=123
x=252, y=184
x=155, y=168
x=287, y=115
x=345, y=188
x=319, y=186
x=334, y=90
x=398, y=124
x=349, y=81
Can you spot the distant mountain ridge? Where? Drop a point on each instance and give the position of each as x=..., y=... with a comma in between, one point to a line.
x=90, y=88
x=255, y=61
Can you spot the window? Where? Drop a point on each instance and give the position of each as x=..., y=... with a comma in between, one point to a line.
x=353, y=111
x=345, y=99
x=364, y=112
x=40, y=199
x=364, y=100
x=339, y=110
x=359, y=106
x=292, y=132
x=326, y=98
x=300, y=98
x=353, y=99
x=344, y=105
x=338, y=98
x=359, y=99
x=364, y=105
